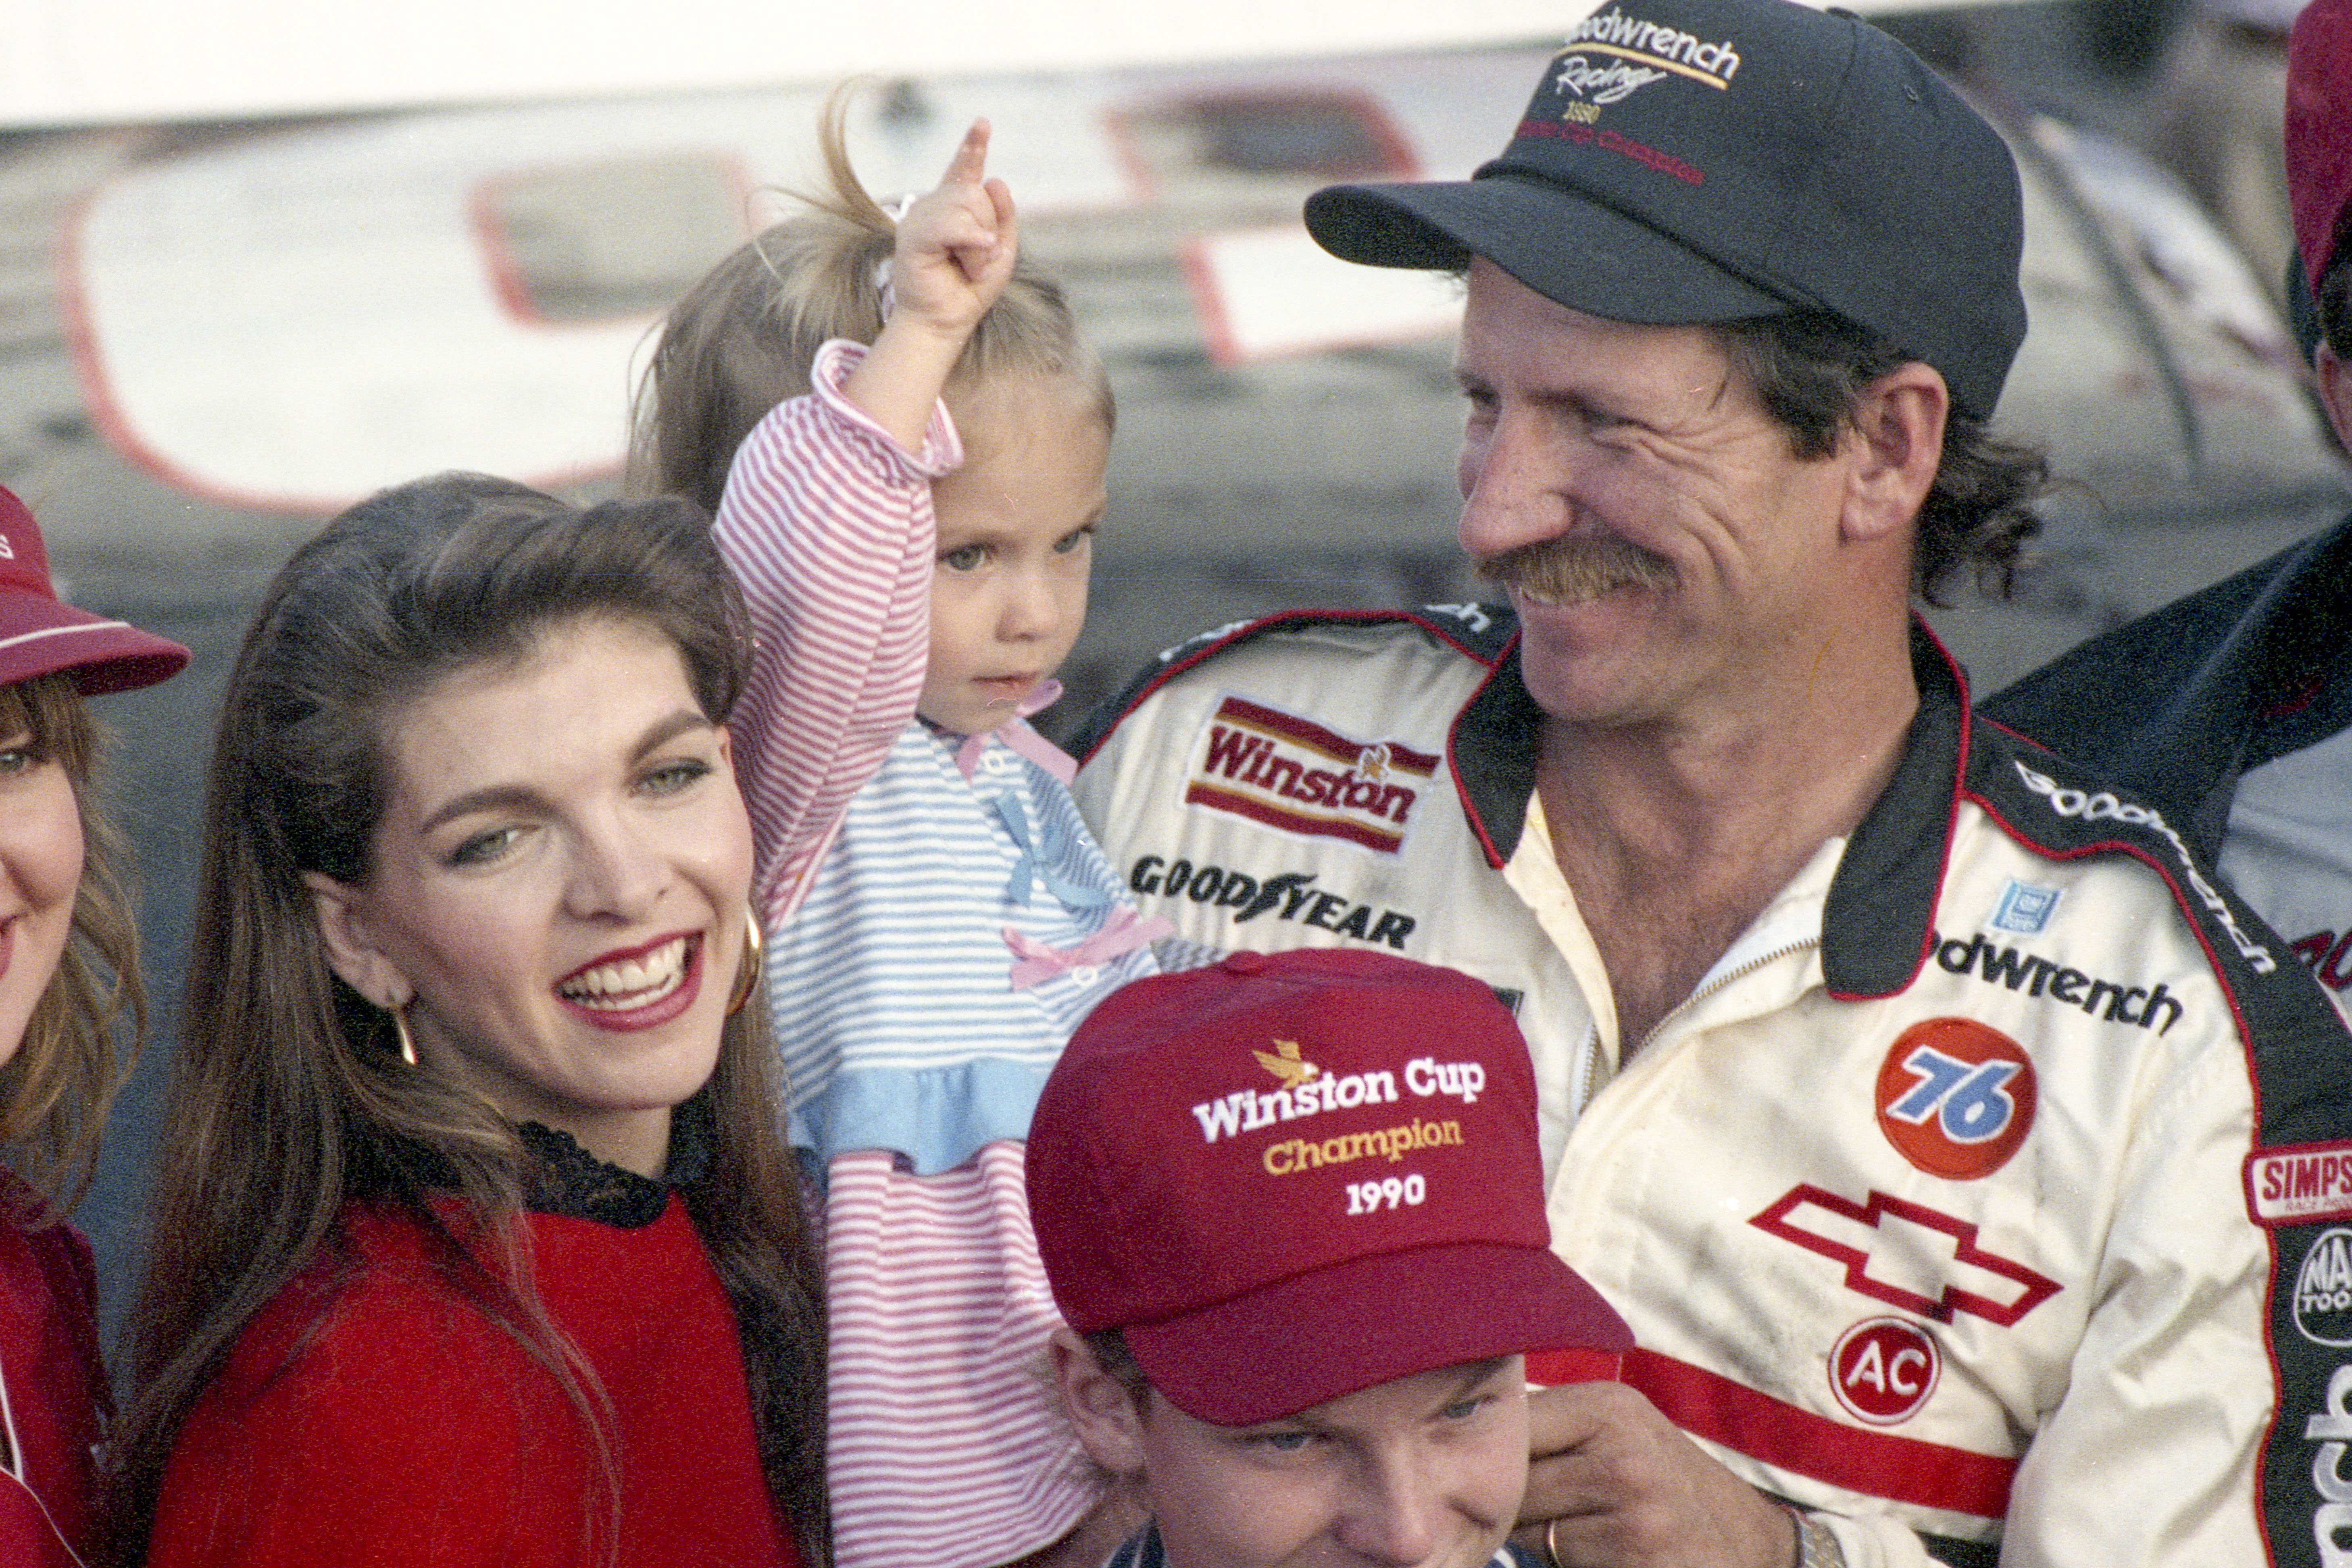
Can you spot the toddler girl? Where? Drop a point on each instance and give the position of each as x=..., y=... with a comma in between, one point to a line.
x=912, y=526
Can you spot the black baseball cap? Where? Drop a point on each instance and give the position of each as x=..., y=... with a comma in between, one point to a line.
x=1692, y=162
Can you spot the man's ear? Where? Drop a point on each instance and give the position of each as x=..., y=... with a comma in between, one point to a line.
x=1101, y=1411
x=352, y=951
x=1896, y=443
x=2334, y=391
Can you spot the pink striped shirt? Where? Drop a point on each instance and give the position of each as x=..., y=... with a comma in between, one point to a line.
x=827, y=524
x=943, y=1447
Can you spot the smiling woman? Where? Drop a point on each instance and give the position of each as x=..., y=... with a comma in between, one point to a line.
x=563, y=861
x=479, y=1244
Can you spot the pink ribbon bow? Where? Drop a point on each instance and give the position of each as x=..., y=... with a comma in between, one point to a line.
x=1124, y=933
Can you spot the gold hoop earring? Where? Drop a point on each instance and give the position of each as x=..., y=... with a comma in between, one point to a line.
x=399, y=1012
x=748, y=976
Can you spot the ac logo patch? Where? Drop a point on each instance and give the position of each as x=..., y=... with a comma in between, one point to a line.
x=1883, y=1369
x=1956, y=1098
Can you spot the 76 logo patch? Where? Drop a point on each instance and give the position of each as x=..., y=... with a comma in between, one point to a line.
x=1955, y=1098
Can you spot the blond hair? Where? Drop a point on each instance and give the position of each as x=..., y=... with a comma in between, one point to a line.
x=744, y=339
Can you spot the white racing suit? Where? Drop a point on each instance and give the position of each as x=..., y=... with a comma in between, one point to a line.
x=2232, y=709
x=1994, y=1193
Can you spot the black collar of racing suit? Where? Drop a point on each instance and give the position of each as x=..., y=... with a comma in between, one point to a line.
x=1882, y=902
x=2180, y=703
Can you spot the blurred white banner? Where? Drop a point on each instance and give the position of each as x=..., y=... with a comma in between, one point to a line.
x=65, y=62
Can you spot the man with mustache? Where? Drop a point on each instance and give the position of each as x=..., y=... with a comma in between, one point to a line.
x=1972, y=1170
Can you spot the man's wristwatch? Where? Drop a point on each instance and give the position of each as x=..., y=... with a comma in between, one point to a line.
x=1816, y=1547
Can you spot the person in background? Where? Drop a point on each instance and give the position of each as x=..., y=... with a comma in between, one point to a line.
x=1952, y=1144
x=1292, y=1207
x=474, y=1241
x=912, y=525
x=2233, y=709
x=69, y=980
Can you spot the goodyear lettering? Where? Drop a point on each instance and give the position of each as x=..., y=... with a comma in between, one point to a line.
x=2108, y=1000
x=2100, y=805
x=1612, y=29
x=1248, y=1109
x=1198, y=640
x=1390, y=1144
x=1291, y=896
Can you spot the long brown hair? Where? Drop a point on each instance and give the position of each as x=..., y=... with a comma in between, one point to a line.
x=54, y=1091
x=744, y=339
x=291, y=1096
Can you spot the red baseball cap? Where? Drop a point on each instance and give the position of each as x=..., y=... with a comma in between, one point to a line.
x=39, y=634
x=2320, y=131
x=1290, y=1176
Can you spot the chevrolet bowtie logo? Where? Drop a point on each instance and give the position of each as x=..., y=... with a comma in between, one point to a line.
x=1287, y=1066
x=1900, y=1252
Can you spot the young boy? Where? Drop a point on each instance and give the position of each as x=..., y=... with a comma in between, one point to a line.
x=1291, y=1209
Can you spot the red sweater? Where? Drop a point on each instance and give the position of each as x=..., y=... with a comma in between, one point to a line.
x=52, y=1390
x=370, y=1415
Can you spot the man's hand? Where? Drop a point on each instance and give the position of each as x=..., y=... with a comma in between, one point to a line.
x=1620, y=1487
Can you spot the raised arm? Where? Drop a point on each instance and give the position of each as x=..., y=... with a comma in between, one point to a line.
x=827, y=524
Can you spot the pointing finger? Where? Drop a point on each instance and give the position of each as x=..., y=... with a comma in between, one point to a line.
x=970, y=164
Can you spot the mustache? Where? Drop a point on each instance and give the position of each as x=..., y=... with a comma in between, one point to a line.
x=1574, y=570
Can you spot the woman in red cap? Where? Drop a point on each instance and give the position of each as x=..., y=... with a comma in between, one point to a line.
x=68, y=970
